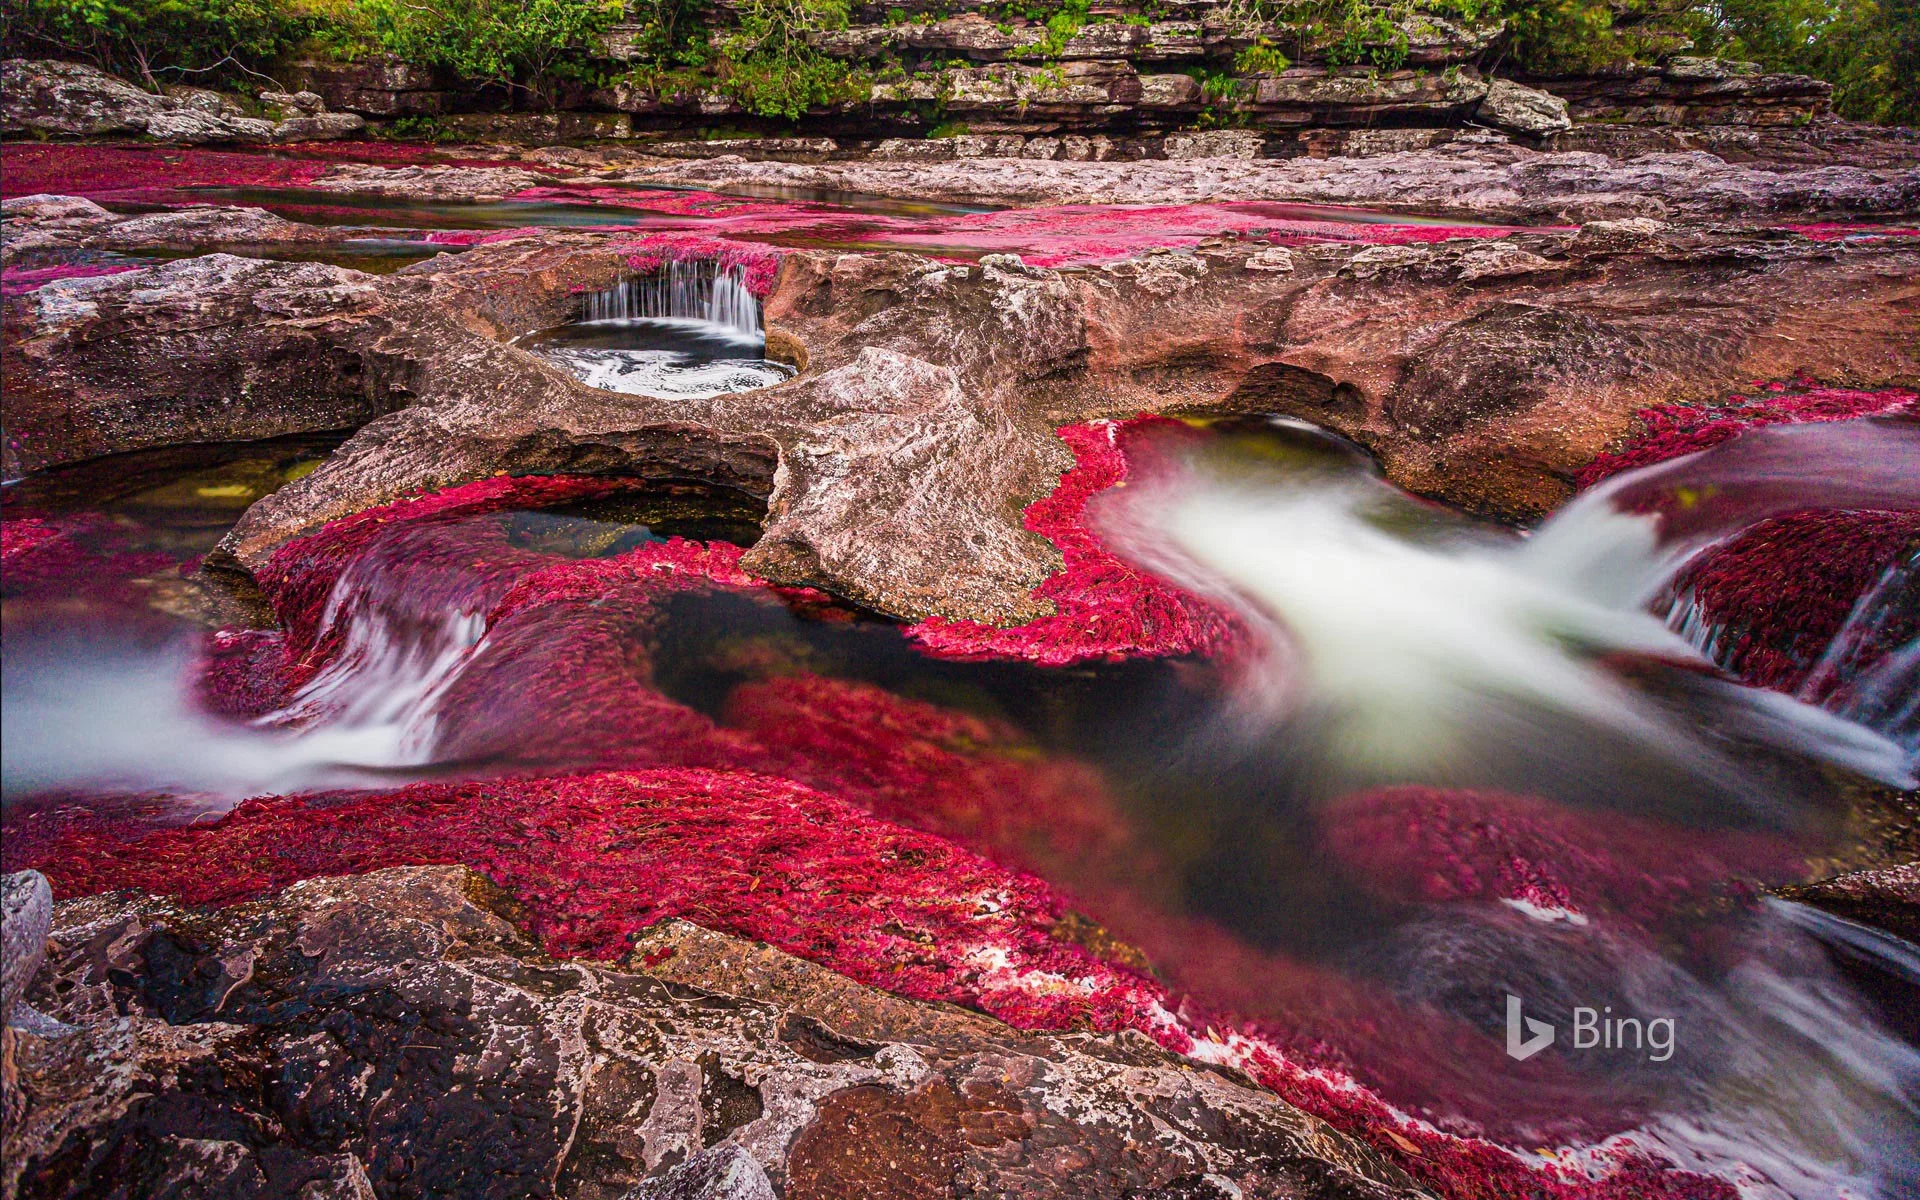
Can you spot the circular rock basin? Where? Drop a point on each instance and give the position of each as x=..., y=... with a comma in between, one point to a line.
x=669, y=357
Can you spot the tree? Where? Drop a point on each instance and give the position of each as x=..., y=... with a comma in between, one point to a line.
x=147, y=38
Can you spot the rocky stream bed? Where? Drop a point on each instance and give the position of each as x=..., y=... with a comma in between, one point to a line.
x=461, y=780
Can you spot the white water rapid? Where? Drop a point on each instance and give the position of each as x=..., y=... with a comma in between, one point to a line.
x=1412, y=648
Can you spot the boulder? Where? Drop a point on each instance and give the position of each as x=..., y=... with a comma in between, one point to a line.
x=319, y=127
x=1531, y=111
x=303, y=103
x=75, y=100
x=1314, y=96
x=375, y=87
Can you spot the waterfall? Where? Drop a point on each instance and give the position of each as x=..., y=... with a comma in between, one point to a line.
x=686, y=289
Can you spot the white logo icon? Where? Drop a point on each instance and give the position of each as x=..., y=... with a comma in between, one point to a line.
x=1541, y=1032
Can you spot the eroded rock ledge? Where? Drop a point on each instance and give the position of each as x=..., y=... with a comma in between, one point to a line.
x=897, y=466
x=346, y=1035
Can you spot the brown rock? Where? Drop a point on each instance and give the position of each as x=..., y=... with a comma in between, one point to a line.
x=393, y=1034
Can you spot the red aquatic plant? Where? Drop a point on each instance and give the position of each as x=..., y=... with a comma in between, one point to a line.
x=1774, y=596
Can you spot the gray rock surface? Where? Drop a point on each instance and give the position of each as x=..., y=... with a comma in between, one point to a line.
x=1523, y=109
x=1488, y=182
x=65, y=99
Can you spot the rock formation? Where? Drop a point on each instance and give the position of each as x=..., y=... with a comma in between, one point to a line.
x=349, y=1035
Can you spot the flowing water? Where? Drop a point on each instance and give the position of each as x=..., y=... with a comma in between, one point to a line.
x=1459, y=764
x=691, y=330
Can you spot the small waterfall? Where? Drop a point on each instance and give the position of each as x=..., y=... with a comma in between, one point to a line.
x=687, y=289
x=1881, y=691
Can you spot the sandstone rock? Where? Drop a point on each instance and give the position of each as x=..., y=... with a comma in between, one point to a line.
x=784, y=149
x=376, y=87
x=1002, y=145
x=190, y=127
x=304, y=102
x=317, y=128
x=1695, y=92
x=1523, y=109
x=897, y=465
x=1214, y=143
x=429, y=183
x=43, y=224
x=1272, y=258
x=1885, y=897
x=718, y=1173
x=46, y=210
x=205, y=100
x=1682, y=66
x=917, y=149
x=1169, y=92
x=740, y=1071
x=72, y=100
x=1312, y=96
x=1478, y=180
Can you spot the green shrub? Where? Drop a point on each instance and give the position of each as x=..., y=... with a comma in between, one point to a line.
x=1262, y=56
x=524, y=46
x=770, y=67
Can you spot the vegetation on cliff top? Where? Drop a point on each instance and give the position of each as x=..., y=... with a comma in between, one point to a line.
x=764, y=54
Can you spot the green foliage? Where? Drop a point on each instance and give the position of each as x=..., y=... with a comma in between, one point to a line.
x=1261, y=57
x=1356, y=31
x=1868, y=49
x=529, y=46
x=947, y=129
x=417, y=129
x=770, y=66
x=200, y=41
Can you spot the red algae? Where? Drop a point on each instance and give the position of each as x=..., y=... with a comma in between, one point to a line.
x=760, y=264
x=597, y=858
x=1774, y=596
x=1105, y=607
x=1671, y=430
x=17, y=281
x=104, y=171
x=1428, y=845
x=1779, y=593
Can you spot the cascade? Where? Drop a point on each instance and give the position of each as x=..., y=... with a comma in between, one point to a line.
x=686, y=289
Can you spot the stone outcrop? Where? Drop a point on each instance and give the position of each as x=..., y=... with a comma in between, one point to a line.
x=1885, y=897
x=42, y=225
x=897, y=465
x=356, y=1036
x=1135, y=85
x=1692, y=92
x=1470, y=179
x=74, y=100
x=378, y=87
